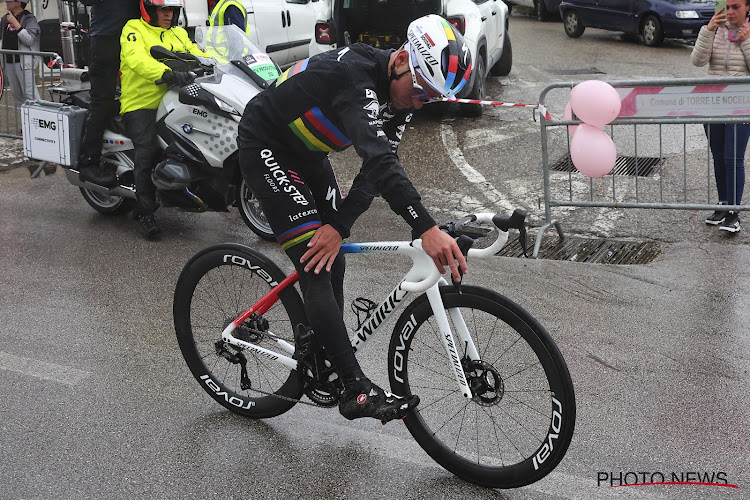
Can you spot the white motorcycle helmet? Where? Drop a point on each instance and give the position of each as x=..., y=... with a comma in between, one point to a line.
x=438, y=52
x=148, y=10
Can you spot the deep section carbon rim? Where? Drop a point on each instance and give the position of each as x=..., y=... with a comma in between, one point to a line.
x=214, y=288
x=519, y=424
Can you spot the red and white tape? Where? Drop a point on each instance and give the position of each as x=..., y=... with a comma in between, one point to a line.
x=542, y=109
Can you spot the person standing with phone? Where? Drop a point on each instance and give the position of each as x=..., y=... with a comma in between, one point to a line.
x=19, y=30
x=724, y=44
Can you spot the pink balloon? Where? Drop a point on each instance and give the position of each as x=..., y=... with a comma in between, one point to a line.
x=568, y=115
x=595, y=102
x=592, y=151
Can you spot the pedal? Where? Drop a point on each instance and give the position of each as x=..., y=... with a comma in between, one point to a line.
x=302, y=337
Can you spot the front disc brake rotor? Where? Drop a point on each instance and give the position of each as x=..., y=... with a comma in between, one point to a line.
x=485, y=382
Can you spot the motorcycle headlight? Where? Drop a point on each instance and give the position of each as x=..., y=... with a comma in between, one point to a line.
x=687, y=14
x=225, y=107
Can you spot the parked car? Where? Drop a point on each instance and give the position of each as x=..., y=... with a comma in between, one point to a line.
x=653, y=20
x=545, y=9
x=383, y=24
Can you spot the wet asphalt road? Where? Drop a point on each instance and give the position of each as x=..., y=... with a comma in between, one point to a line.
x=98, y=403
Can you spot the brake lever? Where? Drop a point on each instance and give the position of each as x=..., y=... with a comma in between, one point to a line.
x=464, y=244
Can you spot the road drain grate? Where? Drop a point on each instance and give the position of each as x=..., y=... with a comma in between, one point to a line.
x=595, y=251
x=645, y=166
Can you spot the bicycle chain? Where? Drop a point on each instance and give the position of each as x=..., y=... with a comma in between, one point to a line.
x=285, y=398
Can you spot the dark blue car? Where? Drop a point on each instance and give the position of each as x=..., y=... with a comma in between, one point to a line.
x=654, y=20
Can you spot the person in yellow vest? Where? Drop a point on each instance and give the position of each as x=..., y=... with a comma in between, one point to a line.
x=140, y=97
x=229, y=12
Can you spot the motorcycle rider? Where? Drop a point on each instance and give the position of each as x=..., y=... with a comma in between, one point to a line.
x=107, y=21
x=358, y=96
x=141, y=97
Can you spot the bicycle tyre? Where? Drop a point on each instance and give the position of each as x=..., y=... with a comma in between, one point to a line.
x=215, y=287
x=531, y=412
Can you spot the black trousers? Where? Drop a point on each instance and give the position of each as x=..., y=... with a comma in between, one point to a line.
x=298, y=195
x=104, y=66
x=141, y=125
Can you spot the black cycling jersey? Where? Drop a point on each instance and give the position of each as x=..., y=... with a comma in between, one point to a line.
x=327, y=103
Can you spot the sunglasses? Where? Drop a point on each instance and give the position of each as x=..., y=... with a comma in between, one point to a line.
x=427, y=92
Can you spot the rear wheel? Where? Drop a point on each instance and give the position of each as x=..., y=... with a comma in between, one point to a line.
x=252, y=213
x=520, y=421
x=107, y=204
x=215, y=287
x=572, y=25
x=542, y=14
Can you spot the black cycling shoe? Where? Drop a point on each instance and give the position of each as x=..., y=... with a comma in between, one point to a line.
x=149, y=229
x=362, y=398
x=98, y=174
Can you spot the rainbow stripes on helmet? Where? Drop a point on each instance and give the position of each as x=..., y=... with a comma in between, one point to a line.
x=439, y=53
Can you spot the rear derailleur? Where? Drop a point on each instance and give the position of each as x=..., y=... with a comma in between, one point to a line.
x=252, y=330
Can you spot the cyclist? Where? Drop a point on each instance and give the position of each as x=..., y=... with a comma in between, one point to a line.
x=363, y=97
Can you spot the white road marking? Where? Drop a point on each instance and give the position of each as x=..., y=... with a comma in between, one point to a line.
x=41, y=369
x=496, y=199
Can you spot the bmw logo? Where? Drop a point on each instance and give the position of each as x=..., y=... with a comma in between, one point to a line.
x=187, y=128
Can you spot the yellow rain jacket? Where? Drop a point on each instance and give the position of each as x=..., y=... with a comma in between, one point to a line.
x=217, y=15
x=140, y=70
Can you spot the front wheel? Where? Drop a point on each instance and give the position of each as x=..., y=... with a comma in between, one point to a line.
x=652, y=32
x=477, y=92
x=215, y=287
x=503, y=66
x=520, y=422
x=252, y=213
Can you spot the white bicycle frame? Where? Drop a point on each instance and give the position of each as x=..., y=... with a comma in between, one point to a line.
x=423, y=276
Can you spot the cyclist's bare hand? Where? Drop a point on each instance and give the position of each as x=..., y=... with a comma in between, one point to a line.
x=444, y=251
x=323, y=249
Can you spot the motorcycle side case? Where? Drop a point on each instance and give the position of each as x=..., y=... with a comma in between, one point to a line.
x=52, y=131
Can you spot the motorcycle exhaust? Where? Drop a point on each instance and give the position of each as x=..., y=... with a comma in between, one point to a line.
x=122, y=191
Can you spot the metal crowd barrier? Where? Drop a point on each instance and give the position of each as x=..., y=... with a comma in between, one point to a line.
x=663, y=157
x=10, y=110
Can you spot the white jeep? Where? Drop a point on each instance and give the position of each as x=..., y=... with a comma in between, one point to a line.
x=383, y=23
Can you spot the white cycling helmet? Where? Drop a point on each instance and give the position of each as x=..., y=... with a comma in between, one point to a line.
x=438, y=52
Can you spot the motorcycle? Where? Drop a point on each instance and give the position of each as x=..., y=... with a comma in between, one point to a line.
x=197, y=133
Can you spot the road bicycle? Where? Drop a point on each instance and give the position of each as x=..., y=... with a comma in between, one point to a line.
x=497, y=404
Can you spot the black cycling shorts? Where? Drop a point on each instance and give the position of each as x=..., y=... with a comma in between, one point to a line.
x=298, y=195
